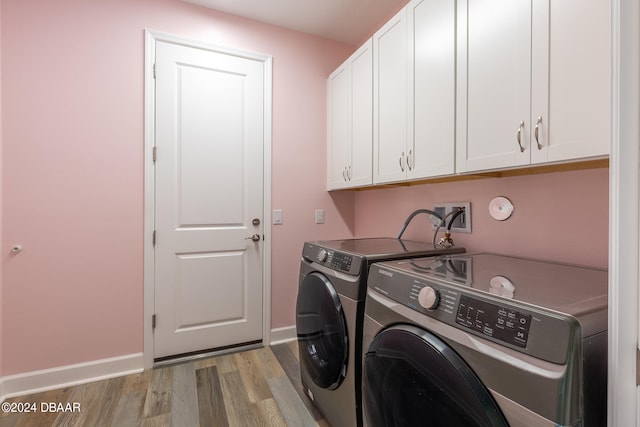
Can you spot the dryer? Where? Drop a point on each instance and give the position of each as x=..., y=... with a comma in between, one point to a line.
x=484, y=340
x=329, y=316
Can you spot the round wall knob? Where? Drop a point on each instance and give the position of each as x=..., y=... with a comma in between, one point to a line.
x=16, y=249
x=429, y=298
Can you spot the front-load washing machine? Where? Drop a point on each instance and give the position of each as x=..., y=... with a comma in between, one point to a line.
x=329, y=315
x=484, y=340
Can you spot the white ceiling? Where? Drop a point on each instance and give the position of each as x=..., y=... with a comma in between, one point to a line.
x=348, y=21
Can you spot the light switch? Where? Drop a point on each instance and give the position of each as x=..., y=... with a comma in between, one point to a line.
x=277, y=217
x=319, y=216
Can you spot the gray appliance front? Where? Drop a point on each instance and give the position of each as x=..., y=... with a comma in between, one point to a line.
x=337, y=400
x=529, y=390
x=330, y=313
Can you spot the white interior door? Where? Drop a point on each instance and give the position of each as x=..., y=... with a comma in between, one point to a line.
x=209, y=199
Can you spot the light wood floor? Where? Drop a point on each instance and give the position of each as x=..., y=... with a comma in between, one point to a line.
x=253, y=388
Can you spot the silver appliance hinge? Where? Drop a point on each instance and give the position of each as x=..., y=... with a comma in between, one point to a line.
x=155, y=153
x=153, y=238
x=153, y=321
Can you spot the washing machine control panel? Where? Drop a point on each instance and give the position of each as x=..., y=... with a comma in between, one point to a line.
x=518, y=323
x=454, y=306
x=495, y=321
x=426, y=297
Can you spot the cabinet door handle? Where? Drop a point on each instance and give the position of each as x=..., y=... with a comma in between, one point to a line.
x=344, y=173
x=410, y=160
x=401, y=165
x=538, y=123
x=349, y=173
x=519, y=136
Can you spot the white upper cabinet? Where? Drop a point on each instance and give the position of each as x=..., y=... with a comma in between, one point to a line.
x=448, y=87
x=570, y=95
x=390, y=100
x=338, y=140
x=432, y=71
x=494, y=67
x=414, y=93
x=350, y=121
x=362, y=116
x=533, y=82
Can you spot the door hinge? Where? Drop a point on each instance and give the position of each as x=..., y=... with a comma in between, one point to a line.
x=153, y=321
x=637, y=366
x=154, y=153
x=153, y=238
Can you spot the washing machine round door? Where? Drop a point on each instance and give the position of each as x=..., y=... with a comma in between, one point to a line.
x=412, y=378
x=322, y=331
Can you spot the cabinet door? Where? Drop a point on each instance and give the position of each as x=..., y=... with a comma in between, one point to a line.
x=494, y=66
x=432, y=71
x=571, y=79
x=360, y=169
x=338, y=139
x=390, y=94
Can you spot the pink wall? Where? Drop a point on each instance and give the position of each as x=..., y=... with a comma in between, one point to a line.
x=72, y=113
x=72, y=166
x=559, y=216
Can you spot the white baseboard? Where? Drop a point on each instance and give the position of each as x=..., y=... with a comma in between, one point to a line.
x=69, y=375
x=282, y=335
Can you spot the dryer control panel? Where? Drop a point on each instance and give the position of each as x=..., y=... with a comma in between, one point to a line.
x=340, y=261
x=529, y=330
x=335, y=260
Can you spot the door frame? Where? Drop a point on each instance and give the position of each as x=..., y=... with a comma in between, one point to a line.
x=151, y=37
x=624, y=214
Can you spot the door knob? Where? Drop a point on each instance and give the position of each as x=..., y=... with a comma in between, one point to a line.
x=255, y=237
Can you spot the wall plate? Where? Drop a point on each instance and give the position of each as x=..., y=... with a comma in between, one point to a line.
x=462, y=223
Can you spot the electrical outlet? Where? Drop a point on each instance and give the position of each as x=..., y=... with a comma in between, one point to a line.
x=462, y=222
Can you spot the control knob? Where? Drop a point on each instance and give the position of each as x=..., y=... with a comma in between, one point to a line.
x=429, y=298
x=322, y=255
